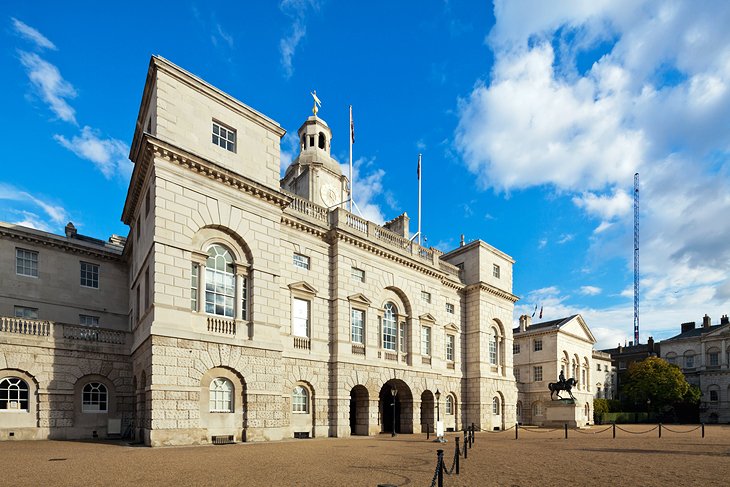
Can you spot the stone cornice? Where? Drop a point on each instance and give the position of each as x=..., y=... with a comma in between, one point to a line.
x=153, y=147
x=483, y=286
x=303, y=226
x=59, y=243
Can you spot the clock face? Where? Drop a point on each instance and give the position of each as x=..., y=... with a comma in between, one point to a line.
x=329, y=195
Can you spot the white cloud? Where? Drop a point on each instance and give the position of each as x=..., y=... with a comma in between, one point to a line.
x=298, y=11
x=29, y=33
x=51, y=86
x=55, y=214
x=109, y=155
x=590, y=290
x=653, y=98
x=289, y=151
x=367, y=186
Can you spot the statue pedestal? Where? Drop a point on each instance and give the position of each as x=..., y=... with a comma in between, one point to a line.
x=562, y=411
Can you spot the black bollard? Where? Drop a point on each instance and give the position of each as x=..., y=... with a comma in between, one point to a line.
x=458, y=454
x=566, y=431
x=614, y=430
x=466, y=445
x=428, y=431
x=660, y=430
x=440, y=456
x=517, y=431
x=703, y=430
x=472, y=433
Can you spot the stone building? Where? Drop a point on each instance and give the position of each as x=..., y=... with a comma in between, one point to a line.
x=242, y=307
x=624, y=355
x=542, y=350
x=703, y=354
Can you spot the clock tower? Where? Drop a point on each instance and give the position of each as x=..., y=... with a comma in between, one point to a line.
x=314, y=175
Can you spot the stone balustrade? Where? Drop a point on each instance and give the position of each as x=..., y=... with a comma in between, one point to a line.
x=65, y=331
x=222, y=326
x=25, y=326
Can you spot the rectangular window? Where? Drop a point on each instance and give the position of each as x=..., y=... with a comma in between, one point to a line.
x=194, y=270
x=27, y=313
x=689, y=361
x=358, y=325
x=425, y=340
x=450, y=340
x=599, y=367
x=301, y=261
x=90, y=275
x=402, y=341
x=26, y=262
x=224, y=137
x=517, y=374
x=426, y=296
x=714, y=358
x=450, y=308
x=714, y=396
x=622, y=365
x=147, y=290
x=537, y=372
x=88, y=320
x=244, y=298
x=495, y=270
x=538, y=345
x=515, y=348
x=493, y=350
x=300, y=318
x=147, y=202
x=358, y=274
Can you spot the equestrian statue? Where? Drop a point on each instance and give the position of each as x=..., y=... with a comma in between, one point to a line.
x=562, y=385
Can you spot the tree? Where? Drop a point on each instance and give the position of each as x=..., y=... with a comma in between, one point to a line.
x=658, y=384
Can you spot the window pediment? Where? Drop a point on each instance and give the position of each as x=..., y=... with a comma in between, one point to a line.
x=427, y=317
x=452, y=327
x=359, y=298
x=303, y=287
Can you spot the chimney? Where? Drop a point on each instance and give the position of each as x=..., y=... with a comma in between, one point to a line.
x=724, y=320
x=650, y=342
x=70, y=230
x=631, y=343
x=399, y=225
x=525, y=322
x=706, y=321
x=690, y=325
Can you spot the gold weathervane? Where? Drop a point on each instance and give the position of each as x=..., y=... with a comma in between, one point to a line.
x=317, y=102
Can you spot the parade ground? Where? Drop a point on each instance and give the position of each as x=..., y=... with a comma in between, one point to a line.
x=540, y=457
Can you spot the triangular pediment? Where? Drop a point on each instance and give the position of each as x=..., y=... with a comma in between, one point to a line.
x=303, y=287
x=427, y=317
x=359, y=298
x=578, y=328
x=720, y=331
x=451, y=327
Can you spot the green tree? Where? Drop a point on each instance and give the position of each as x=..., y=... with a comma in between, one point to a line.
x=660, y=382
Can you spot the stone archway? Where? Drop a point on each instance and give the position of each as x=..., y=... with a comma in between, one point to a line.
x=428, y=414
x=396, y=411
x=359, y=411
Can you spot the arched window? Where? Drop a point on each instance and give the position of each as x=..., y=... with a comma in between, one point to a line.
x=493, y=348
x=94, y=398
x=587, y=411
x=220, y=282
x=671, y=357
x=14, y=394
x=537, y=409
x=322, y=141
x=518, y=410
x=449, y=405
x=495, y=405
x=689, y=359
x=221, y=396
x=390, y=314
x=300, y=400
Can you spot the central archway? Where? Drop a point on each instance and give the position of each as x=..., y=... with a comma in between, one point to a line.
x=396, y=411
x=359, y=412
x=428, y=416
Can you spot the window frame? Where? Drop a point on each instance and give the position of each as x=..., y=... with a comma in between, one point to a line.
x=89, y=274
x=496, y=403
x=389, y=332
x=301, y=261
x=28, y=261
x=357, y=327
x=450, y=347
x=537, y=373
x=95, y=398
x=17, y=392
x=515, y=348
x=357, y=274
x=295, y=315
x=26, y=310
x=450, y=309
x=220, y=284
x=221, y=395
x=537, y=345
x=426, y=342
x=449, y=405
x=224, y=136
x=300, y=400
x=426, y=296
x=496, y=272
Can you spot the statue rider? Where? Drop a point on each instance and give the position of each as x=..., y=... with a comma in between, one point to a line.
x=561, y=378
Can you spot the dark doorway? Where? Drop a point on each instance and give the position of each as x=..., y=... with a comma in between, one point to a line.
x=359, y=411
x=396, y=410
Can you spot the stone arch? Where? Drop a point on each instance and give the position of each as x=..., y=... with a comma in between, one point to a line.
x=428, y=412
x=396, y=410
x=451, y=421
x=498, y=414
x=322, y=141
x=302, y=420
x=87, y=422
x=30, y=418
x=359, y=410
x=210, y=234
x=497, y=340
x=400, y=299
x=214, y=421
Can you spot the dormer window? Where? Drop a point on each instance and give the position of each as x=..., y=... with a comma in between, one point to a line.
x=224, y=137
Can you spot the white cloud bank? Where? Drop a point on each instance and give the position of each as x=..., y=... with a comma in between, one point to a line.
x=55, y=215
x=108, y=155
x=653, y=98
x=50, y=85
x=29, y=33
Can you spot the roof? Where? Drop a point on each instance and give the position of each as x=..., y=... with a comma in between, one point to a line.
x=546, y=324
x=695, y=332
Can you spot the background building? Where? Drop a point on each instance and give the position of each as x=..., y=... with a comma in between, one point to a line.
x=242, y=307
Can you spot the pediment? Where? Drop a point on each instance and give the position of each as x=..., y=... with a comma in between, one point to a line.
x=359, y=298
x=721, y=331
x=427, y=317
x=578, y=328
x=452, y=327
x=303, y=287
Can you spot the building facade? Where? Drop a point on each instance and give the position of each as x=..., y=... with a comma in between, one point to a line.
x=542, y=350
x=703, y=354
x=242, y=307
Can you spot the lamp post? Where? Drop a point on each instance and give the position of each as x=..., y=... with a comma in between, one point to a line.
x=438, y=403
x=439, y=433
x=393, y=392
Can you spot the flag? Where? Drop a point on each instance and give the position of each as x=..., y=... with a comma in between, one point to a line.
x=352, y=126
x=540, y=312
x=534, y=311
x=419, y=166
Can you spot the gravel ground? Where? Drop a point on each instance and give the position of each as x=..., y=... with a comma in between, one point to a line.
x=538, y=458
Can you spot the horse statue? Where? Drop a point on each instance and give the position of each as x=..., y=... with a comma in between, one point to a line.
x=556, y=387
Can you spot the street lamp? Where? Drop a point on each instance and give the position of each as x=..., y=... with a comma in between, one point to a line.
x=439, y=433
x=393, y=392
x=438, y=402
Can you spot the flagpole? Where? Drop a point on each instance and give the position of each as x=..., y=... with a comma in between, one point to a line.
x=419, y=199
x=351, y=180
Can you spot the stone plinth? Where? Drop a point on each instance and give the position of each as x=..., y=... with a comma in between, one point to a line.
x=562, y=411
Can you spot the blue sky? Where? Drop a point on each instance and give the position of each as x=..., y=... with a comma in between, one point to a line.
x=532, y=118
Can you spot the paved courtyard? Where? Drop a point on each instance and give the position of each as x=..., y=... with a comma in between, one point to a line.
x=540, y=457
